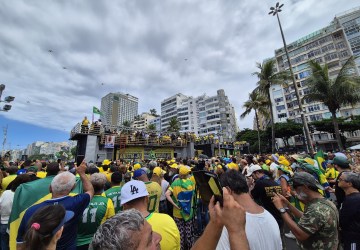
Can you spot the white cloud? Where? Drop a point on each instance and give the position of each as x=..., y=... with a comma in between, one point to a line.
x=139, y=47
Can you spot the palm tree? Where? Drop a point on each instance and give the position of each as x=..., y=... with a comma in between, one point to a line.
x=334, y=93
x=268, y=76
x=259, y=103
x=174, y=125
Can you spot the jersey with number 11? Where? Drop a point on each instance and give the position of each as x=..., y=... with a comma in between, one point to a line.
x=99, y=210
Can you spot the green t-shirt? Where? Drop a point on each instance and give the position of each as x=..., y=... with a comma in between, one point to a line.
x=114, y=194
x=99, y=210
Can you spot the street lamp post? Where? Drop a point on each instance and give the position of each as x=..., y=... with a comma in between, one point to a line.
x=7, y=99
x=275, y=11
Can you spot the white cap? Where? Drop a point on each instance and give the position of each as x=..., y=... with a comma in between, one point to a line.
x=252, y=169
x=132, y=190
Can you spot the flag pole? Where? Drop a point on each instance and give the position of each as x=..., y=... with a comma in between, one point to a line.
x=92, y=116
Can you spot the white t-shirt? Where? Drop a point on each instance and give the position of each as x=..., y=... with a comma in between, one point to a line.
x=262, y=232
x=6, y=201
x=164, y=186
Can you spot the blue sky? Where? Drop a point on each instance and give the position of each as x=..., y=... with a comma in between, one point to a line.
x=22, y=134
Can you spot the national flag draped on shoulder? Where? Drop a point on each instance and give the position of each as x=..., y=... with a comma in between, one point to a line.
x=29, y=194
x=96, y=111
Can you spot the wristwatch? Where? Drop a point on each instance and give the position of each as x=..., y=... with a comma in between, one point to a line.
x=282, y=210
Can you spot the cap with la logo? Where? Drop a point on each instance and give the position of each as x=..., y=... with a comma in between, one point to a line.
x=132, y=190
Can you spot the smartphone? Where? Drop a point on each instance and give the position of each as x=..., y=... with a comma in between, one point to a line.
x=209, y=185
x=79, y=159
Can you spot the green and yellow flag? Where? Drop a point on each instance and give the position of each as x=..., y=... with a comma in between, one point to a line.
x=29, y=194
x=319, y=157
x=96, y=111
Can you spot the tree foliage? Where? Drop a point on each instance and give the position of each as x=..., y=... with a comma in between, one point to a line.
x=251, y=136
x=174, y=125
x=267, y=76
x=334, y=93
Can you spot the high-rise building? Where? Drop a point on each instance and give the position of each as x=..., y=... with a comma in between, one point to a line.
x=217, y=115
x=333, y=45
x=202, y=115
x=116, y=108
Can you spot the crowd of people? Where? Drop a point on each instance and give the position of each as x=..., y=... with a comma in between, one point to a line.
x=156, y=204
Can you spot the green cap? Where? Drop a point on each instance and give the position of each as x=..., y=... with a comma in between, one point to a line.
x=306, y=179
x=341, y=162
x=32, y=169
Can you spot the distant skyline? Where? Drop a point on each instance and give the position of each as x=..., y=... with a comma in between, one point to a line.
x=59, y=58
x=21, y=134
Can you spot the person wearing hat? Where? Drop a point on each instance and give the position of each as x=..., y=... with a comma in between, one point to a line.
x=284, y=181
x=134, y=195
x=164, y=186
x=152, y=187
x=180, y=194
x=46, y=227
x=172, y=170
x=262, y=193
x=342, y=165
x=349, y=212
x=114, y=191
x=317, y=227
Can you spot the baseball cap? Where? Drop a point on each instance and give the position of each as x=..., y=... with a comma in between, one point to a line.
x=32, y=169
x=267, y=162
x=132, y=190
x=106, y=162
x=306, y=179
x=138, y=173
x=341, y=161
x=158, y=171
x=137, y=166
x=184, y=170
x=68, y=216
x=174, y=166
x=252, y=169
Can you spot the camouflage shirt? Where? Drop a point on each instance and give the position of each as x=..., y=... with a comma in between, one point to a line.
x=320, y=221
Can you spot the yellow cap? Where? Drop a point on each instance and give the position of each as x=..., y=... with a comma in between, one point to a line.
x=157, y=171
x=174, y=166
x=267, y=162
x=184, y=170
x=106, y=162
x=137, y=166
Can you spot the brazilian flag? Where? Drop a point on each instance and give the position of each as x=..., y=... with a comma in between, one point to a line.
x=96, y=111
x=319, y=157
x=29, y=194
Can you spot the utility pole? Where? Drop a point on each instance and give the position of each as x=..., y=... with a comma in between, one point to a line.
x=4, y=141
x=275, y=11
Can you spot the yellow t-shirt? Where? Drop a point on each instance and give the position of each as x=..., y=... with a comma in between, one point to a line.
x=233, y=165
x=6, y=181
x=331, y=173
x=155, y=191
x=164, y=225
x=41, y=174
